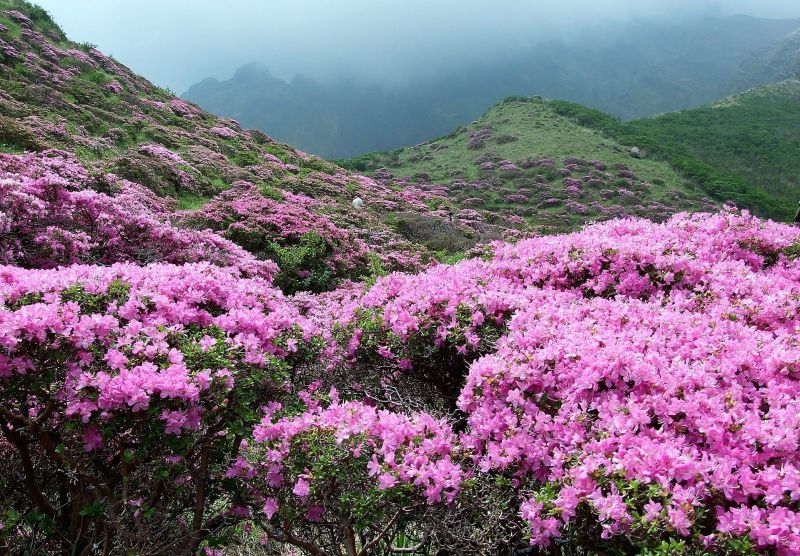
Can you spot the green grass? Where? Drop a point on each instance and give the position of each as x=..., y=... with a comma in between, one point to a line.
x=40, y=17
x=542, y=133
x=743, y=149
x=191, y=201
x=541, y=129
x=13, y=27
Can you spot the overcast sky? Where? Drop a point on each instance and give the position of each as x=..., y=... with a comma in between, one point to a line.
x=175, y=43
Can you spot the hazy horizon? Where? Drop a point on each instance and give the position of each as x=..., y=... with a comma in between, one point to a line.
x=383, y=42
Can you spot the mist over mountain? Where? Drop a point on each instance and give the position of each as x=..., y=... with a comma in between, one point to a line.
x=629, y=70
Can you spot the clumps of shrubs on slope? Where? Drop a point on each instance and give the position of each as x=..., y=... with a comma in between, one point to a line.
x=50, y=216
x=310, y=250
x=627, y=388
x=73, y=97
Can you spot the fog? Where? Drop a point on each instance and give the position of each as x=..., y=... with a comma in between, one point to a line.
x=175, y=43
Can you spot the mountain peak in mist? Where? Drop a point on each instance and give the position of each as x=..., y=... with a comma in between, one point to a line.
x=253, y=70
x=634, y=70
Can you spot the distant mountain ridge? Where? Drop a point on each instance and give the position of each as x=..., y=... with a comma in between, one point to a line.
x=630, y=72
x=779, y=61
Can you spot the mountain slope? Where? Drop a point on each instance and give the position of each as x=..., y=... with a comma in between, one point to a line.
x=277, y=202
x=754, y=135
x=523, y=160
x=778, y=62
x=630, y=71
x=742, y=149
x=281, y=204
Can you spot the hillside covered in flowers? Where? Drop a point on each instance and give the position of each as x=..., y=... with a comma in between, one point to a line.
x=220, y=358
x=527, y=160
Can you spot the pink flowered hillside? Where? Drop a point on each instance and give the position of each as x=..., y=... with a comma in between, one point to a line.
x=61, y=97
x=245, y=376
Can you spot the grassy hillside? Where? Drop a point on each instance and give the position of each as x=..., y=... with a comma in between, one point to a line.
x=755, y=136
x=743, y=149
x=271, y=199
x=525, y=159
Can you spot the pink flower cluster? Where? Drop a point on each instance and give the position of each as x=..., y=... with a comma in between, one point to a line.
x=628, y=378
x=224, y=132
x=245, y=215
x=163, y=153
x=646, y=372
x=126, y=337
x=49, y=217
x=398, y=450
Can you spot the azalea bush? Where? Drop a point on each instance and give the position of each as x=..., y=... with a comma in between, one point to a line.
x=347, y=474
x=310, y=250
x=641, y=394
x=127, y=392
x=52, y=212
x=627, y=388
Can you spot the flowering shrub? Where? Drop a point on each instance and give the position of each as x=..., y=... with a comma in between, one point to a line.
x=127, y=387
x=478, y=139
x=638, y=392
x=48, y=217
x=622, y=387
x=608, y=409
x=224, y=132
x=508, y=169
x=370, y=471
x=628, y=388
x=163, y=153
x=310, y=250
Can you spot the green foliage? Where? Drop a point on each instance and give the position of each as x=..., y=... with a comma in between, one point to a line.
x=27, y=299
x=277, y=151
x=95, y=509
x=152, y=173
x=315, y=164
x=436, y=234
x=14, y=136
x=516, y=98
x=98, y=77
x=445, y=258
x=244, y=158
x=191, y=201
x=793, y=251
x=22, y=71
x=360, y=163
x=303, y=264
x=218, y=184
x=441, y=364
x=41, y=18
x=713, y=147
x=90, y=303
x=270, y=191
x=753, y=137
